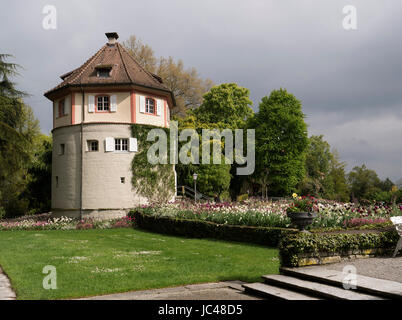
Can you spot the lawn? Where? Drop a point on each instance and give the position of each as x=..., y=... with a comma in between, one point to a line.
x=94, y=262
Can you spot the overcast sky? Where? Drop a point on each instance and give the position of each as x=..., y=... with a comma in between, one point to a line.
x=349, y=81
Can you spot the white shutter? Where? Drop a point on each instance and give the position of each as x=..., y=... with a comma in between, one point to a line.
x=91, y=104
x=142, y=104
x=133, y=145
x=109, y=144
x=113, y=105
x=159, y=104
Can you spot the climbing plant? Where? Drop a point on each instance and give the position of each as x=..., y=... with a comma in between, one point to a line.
x=156, y=182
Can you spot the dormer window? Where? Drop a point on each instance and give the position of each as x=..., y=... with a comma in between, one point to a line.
x=103, y=71
x=150, y=106
x=102, y=103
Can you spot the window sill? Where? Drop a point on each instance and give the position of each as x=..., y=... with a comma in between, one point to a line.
x=150, y=114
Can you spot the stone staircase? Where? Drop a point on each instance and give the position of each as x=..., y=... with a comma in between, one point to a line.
x=320, y=284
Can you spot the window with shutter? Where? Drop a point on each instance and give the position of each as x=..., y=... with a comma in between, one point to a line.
x=150, y=105
x=142, y=104
x=102, y=103
x=159, y=107
x=133, y=145
x=113, y=103
x=109, y=144
x=91, y=103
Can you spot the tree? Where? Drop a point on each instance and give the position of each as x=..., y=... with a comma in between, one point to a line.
x=38, y=189
x=364, y=183
x=18, y=129
x=142, y=53
x=386, y=185
x=318, y=161
x=227, y=106
x=281, y=143
x=336, y=185
x=186, y=84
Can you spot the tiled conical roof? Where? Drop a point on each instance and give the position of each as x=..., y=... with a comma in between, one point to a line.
x=125, y=70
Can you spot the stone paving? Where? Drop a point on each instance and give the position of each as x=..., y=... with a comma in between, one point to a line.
x=6, y=293
x=227, y=290
x=381, y=268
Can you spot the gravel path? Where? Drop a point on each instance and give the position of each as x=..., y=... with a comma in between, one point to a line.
x=381, y=268
x=6, y=293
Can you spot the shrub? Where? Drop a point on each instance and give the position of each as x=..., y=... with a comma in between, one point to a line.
x=293, y=247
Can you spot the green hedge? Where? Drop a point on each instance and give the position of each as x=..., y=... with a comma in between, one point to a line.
x=205, y=229
x=294, y=247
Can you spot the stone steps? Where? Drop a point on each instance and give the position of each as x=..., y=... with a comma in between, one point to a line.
x=272, y=292
x=316, y=289
x=311, y=283
x=372, y=286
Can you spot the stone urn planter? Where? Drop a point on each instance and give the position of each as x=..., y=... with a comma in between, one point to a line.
x=302, y=219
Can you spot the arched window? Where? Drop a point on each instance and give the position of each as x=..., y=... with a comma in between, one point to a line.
x=150, y=105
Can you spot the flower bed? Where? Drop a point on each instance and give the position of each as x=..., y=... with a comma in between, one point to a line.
x=254, y=212
x=64, y=223
x=206, y=229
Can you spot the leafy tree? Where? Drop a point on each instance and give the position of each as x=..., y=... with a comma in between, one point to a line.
x=224, y=107
x=227, y=106
x=186, y=84
x=281, y=143
x=38, y=190
x=336, y=183
x=318, y=162
x=386, y=185
x=364, y=183
x=213, y=179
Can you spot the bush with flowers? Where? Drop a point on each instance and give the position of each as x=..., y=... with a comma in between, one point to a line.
x=302, y=204
x=64, y=223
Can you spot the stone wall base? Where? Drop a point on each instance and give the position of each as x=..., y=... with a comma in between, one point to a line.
x=96, y=214
x=334, y=257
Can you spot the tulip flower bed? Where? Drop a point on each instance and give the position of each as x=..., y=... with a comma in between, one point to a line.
x=64, y=223
x=258, y=213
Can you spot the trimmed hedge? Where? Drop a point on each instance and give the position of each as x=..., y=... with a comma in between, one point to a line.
x=295, y=247
x=206, y=229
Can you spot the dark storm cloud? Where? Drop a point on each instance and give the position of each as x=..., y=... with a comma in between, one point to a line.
x=349, y=81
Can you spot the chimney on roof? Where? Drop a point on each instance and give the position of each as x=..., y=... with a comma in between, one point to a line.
x=112, y=37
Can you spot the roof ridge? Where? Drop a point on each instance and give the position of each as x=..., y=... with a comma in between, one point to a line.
x=124, y=64
x=141, y=67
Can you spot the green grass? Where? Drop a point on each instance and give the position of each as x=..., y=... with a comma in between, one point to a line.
x=94, y=262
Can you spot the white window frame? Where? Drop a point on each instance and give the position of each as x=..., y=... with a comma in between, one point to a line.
x=103, y=108
x=121, y=144
x=147, y=105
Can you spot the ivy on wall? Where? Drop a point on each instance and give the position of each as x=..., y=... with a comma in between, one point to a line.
x=154, y=182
